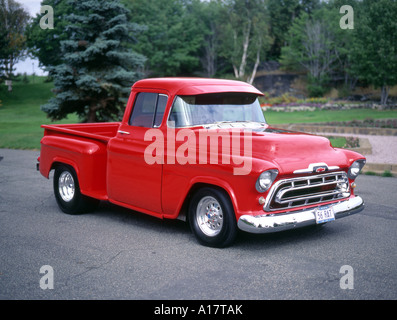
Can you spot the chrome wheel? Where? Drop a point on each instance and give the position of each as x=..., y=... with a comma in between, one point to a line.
x=67, y=192
x=66, y=186
x=209, y=216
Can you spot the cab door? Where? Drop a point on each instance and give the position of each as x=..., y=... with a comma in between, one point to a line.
x=132, y=181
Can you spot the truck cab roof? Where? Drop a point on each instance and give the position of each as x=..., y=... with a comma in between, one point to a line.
x=195, y=86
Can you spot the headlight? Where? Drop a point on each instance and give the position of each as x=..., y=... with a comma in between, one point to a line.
x=265, y=180
x=355, y=169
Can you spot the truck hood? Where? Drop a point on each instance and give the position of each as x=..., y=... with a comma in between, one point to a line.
x=288, y=151
x=291, y=151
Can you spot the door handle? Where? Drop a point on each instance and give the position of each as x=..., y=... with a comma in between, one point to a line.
x=123, y=132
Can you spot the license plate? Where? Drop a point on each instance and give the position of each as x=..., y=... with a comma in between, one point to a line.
x=325, y=214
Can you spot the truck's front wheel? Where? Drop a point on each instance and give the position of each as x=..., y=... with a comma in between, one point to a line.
x=212, y=218
x=67, y=192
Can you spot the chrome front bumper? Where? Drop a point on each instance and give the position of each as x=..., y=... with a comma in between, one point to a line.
x=296, y=219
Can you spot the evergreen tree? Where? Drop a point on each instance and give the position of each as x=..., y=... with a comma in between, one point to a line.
x=97, y=68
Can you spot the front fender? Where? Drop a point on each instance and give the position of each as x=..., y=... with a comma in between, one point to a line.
x=180, y=181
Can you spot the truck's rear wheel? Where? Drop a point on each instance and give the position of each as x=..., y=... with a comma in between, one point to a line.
x=212, y=218
x=67, y=192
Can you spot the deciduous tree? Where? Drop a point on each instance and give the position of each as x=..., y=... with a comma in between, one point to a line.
x=245, y=36
x=314, y=44
x=374, y=51
x=13, y=21
x=282, y=14
x=208, y=16
x=172, y=38
x=44, y=44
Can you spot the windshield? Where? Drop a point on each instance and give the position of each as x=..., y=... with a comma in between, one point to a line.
x=208, y=109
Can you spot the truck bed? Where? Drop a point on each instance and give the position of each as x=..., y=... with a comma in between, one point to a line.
x=82, y=146
x=98, y=131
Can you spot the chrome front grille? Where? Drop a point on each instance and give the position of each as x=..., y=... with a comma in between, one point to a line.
x=302, y=191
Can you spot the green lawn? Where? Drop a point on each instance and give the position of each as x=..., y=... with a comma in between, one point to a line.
x=21, y=117
x=20, y=114
x=338, y=142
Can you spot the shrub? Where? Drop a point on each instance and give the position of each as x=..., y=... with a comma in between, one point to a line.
x=316, y=90
x=352, y=142
x=286, y=98
x=387, y=173
x=317, y=87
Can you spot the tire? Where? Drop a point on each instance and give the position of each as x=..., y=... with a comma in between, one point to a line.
x=67, y=192
x=212, y=219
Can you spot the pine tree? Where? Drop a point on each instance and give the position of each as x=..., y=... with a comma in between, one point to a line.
x=98, y=69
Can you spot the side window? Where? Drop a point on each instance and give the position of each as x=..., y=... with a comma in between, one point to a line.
x=161, y=104
x=148, y=109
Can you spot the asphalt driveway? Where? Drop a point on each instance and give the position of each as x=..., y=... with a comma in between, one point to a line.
x=115, y=253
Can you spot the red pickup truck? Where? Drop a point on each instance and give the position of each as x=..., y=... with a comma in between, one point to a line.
x=200, y=150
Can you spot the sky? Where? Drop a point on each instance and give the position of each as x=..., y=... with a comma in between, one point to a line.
x=30, y=65
x=33, y=6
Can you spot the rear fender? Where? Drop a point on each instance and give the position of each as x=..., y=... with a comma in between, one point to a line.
x=86, y=157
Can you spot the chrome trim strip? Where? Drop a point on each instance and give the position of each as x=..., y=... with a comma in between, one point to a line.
x=313, y=165
x=296, y=219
